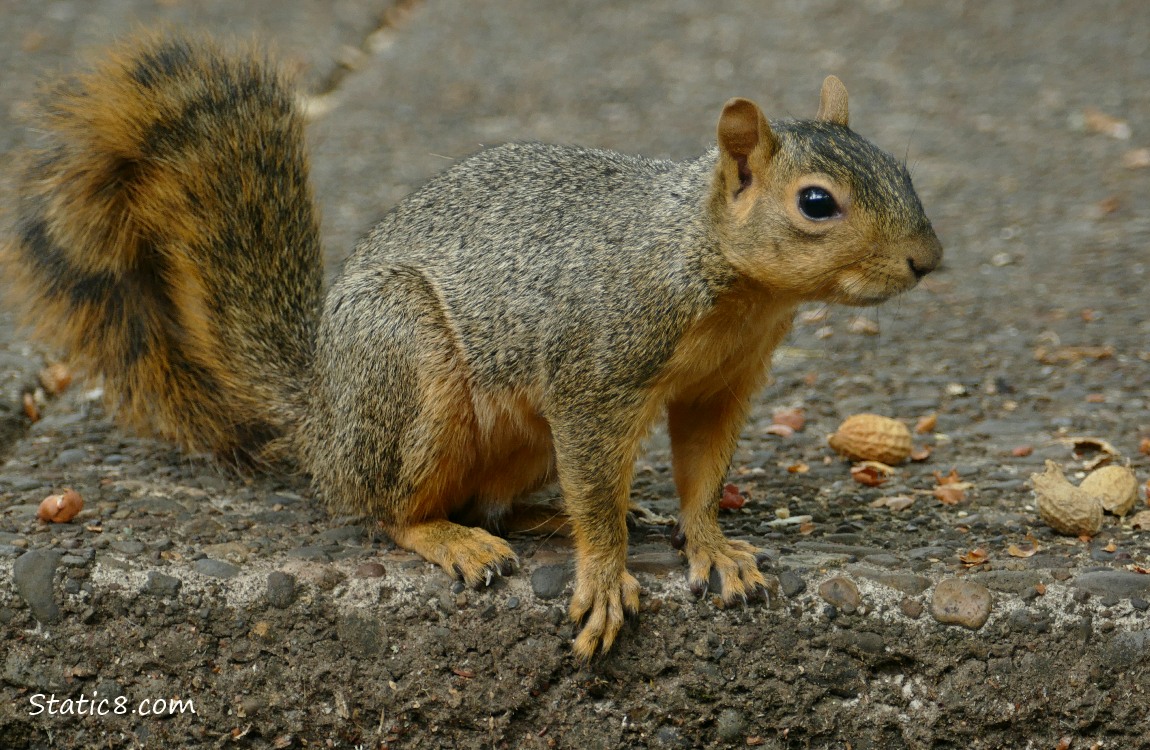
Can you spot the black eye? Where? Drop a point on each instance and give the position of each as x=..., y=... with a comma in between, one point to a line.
x=817, y=204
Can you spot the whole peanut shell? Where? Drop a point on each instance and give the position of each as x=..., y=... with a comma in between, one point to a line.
x=870, y=437
x=60, y=508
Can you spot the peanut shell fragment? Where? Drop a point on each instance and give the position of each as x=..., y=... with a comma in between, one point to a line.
x=1116, y=488
x=1062, y=506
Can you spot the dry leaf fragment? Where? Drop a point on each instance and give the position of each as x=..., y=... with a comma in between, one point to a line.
x=794, y=418
x=1040, y=588
x=949, y=494
x=1015, y=550
x=864, y=325
x=1111, y=547
x=1097, y=121
x=732, y=499
x=951, y=478
x=895, y=503
x=871, y=473
x=31, y=410
x=1137, y=158
x=799, y=468
x=1144, y=446
x=781, y=430
x=1022, y=451
x=60, y=508
x=811, y=317
x=926, y=424
x=1060, y=355
x=974, y=557
x=55, y=378
x=918, y=455
x=1106, y=206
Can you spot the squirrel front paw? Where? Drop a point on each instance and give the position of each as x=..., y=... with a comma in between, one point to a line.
x=604, y=597
x=735, y=563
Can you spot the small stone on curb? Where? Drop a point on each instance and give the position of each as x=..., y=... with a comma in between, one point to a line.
x=160, y=584
x=730, y=726
x=791, y=584
x=371, y=569
x=33, y=573
x=549, y=581
x=842, y=593
x=215, y=568
x=281, y=589
x=958, y=602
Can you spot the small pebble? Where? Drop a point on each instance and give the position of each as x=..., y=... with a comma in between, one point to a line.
x=513, y=602
x=730, y=726
x=215, y=568
x=1120, y=583
x=281, y=590
x=370, y=569
x=33, y=573
x=842, y=593
x=549, y=581
x=959, y=602
x=160, y=584
x=791, y=584
x=912, y=608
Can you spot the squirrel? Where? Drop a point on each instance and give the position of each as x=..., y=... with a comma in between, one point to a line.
x=523, y=318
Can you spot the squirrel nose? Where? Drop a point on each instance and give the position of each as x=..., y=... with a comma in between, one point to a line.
x=926, y=257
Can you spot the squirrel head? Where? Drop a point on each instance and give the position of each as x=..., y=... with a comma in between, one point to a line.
x=814, y=212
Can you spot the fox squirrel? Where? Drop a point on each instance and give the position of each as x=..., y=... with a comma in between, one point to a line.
x=523, y=318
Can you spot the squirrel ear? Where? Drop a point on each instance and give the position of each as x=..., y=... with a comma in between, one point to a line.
x=746, y=141
x=833, y=102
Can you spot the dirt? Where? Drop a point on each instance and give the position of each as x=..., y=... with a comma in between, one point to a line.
x=284, y=627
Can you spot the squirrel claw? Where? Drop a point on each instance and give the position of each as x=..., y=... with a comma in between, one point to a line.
x=601, y=605
x=730, y=569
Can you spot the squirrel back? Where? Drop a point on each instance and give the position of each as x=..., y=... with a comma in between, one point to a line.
x=166, y=239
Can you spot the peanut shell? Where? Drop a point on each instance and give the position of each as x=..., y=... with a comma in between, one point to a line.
x=60, y=508
x=1115, y=487
x=1062, y=506
x=870, y=437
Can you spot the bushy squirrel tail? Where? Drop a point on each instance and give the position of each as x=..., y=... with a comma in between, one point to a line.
x=166, y=239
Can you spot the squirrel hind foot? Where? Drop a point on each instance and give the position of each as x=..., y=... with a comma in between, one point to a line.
x=466, y=552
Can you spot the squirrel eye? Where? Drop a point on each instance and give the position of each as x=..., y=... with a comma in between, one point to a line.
x=817, y=204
